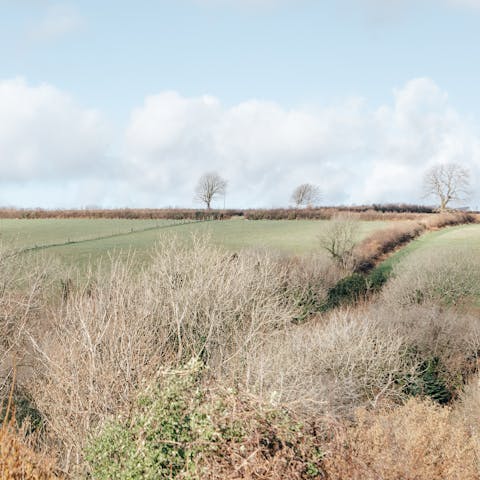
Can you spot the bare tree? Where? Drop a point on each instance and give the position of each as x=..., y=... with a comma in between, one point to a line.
x=448, y=182
x=306, y=194
x=210, y=186
x=339, y=238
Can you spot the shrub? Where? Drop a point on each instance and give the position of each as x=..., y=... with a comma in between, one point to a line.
x=348, y=290
x=449, y=277
x=377, y=278
x=428, y=381
x=443, y=343
x=338, y=239
x=332, y=365
x=419, y=440
x=181, y=429
x=308, y=281
x=18, y=460
x=127, y=322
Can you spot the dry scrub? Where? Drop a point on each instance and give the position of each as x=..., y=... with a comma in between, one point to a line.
x=332, y=366
x=120, y=325
x=419, y=440
x=86, y=346
x=367, y=253
x=18, y=460
x=443, y=276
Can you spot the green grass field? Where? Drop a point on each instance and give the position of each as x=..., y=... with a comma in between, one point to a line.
x=460, y=237
x=78, y=240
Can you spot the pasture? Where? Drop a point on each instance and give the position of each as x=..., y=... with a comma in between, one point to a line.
x=106, y=359
x=80, y=240
x=462, y=237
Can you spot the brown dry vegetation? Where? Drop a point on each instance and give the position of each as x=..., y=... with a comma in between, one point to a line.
x=382, y=242
x=87, y=346
x=18, y=458
x=419, y=440
x=369, y=212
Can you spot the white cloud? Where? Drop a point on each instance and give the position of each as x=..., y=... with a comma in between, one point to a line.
x=54, y=152
x=59, y=20
x=45, y=135
x=357, y=154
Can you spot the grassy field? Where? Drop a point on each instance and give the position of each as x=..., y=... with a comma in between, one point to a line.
x=81, y=239
x=463, y=236
x=29, y=233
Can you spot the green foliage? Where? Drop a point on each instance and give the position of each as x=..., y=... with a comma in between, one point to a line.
x=158, y=441
x=349, y=290
x=309, y=301
x=179, y=430
x=377, y=278
x=429, y=381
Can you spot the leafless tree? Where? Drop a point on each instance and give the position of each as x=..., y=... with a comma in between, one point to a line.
x=210, y=186
x=339, y=238
x=306, y=194
x=448, y=182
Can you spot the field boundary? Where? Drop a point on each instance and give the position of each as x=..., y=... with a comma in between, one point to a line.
x=113, y=235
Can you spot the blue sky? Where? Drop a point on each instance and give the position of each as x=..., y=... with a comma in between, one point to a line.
x=127, y=103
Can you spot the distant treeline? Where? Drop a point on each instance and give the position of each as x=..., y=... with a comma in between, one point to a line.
x=364, y=212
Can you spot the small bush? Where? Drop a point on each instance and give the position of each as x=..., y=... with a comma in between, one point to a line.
x=308, y=280
x=449, y=277
x=444, y=344
x=377, y=278
x=428, y=381
x=18, y=460
x=347, y=291
x=420, y=440
x=182, y=430
x=332, y=365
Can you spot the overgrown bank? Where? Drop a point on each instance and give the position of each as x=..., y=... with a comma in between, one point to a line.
x=264, y=397
x=365, y=259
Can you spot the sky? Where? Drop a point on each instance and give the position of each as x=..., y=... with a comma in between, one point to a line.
x=127, y=104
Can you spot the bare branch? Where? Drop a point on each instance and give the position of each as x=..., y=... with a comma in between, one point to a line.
x=210, y=186
x=448, y=182
x=306, y=195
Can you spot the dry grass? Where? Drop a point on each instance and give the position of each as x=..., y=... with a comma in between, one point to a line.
x=382, y=242
x=442, y=277
x=18, y=460
x=417, y=441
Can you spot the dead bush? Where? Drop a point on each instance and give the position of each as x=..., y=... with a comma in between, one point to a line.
x=467, y=410
x=433, y=332
x=339, y=238
x=335, y=365
x=444, y=276
x=18, y=460
x=385, y=241
x=309, y=280
x=27, y=285
x=122, y=323
x=419, y=440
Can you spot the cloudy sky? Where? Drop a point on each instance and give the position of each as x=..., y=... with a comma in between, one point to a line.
x=120, y=103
